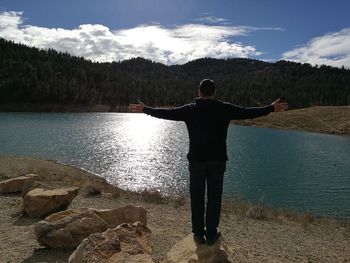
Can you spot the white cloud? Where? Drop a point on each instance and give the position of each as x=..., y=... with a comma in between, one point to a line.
x=10, y=19
x=331, y=49
x=211, y=19
x=169, y=45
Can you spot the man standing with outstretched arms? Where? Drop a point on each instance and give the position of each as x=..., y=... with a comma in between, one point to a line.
x=207, y=121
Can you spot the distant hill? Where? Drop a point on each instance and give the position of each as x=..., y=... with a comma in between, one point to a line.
x=324, y=119
x=33, y=79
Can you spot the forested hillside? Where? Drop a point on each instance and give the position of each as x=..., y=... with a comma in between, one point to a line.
x=39, y=77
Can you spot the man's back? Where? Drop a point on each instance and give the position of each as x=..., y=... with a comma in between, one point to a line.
x=207, y=125
x=207, y=121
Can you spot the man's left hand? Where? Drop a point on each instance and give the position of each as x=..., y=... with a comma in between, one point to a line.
x=136, y=108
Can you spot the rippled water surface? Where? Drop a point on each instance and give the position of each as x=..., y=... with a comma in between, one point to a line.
x=306, y=171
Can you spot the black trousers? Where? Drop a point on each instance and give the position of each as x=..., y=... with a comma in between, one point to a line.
x=202, y=174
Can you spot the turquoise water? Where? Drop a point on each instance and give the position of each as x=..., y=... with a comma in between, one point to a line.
x=301, y=170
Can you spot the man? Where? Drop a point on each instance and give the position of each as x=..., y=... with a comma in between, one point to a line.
x=207, y=121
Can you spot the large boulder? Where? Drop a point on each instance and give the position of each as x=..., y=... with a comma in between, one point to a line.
x=69, y=228
x=126, y=243
x=15, y=185
x=187, y=251
x=41, y=202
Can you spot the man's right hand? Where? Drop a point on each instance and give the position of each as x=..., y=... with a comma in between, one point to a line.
x=136, y=108
x=280, y=106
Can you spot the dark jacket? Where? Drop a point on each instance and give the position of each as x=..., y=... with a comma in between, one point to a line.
x=207, y=121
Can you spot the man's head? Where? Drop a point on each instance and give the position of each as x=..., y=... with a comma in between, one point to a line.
x=207, y=88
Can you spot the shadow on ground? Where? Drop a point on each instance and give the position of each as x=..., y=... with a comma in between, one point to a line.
x=213, y=253
x=24, y=220
x=49, y=255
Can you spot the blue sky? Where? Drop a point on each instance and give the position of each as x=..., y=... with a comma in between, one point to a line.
x=176, y=31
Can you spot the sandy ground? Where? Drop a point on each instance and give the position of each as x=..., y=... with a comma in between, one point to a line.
x=247, y=240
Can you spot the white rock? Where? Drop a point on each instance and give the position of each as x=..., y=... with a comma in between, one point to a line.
x=42, y=202
x=187, y=251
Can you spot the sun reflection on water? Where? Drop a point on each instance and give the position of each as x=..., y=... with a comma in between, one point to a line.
x=148, y=147
x=141, y=129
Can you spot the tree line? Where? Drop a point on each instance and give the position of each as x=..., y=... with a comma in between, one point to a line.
x=33, y=76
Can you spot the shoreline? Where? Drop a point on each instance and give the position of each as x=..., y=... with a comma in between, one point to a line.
x=278, y=236
x=39, y=165
x=292, y=212
x=319, y=119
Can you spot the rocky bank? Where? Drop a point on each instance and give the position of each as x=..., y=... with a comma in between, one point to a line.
x=268, y=237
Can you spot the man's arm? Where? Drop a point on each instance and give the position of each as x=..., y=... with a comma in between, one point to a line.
x=238, y=113
x=175, y=114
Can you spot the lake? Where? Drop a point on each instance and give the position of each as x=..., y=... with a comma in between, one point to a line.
x=289, y=169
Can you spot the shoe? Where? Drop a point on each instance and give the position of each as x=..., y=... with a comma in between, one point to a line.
x=211, y=239
x=199, y=239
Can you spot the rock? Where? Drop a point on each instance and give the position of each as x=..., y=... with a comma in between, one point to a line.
x=15, y=185
x=257, y=212
x=126, y=243
x=69, y=228
x=29, y=185
x=125, y=214
x=187, y=251
x=42, y=202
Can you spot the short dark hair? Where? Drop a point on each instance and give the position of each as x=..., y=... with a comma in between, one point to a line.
x=207, y=87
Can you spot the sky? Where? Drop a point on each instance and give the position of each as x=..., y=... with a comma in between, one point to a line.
x=178, y=31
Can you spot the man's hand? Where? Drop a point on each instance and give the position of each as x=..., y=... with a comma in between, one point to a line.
x=280, y=106
x=136, y=108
